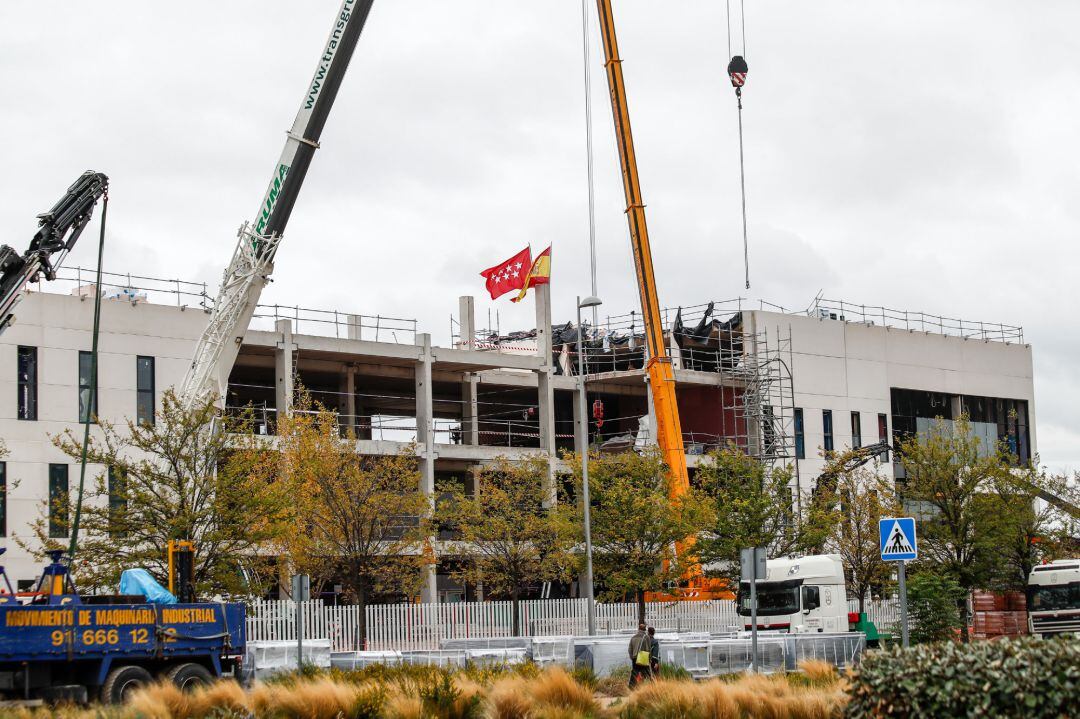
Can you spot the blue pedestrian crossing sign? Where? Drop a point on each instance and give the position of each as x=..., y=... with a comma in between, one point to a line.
x=898, y=539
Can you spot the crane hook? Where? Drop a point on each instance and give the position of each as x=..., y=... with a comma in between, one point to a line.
x=737, y=71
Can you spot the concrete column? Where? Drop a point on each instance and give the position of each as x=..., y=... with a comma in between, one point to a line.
x=470, y=426
x=284, y=367
x=347, y=399
x=469, y=387
x=467, y=322
x=353, y=326
x=425, y=441
x=675, y=352
x=544, y=388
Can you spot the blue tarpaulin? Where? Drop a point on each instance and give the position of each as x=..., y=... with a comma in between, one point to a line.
x=139, y=581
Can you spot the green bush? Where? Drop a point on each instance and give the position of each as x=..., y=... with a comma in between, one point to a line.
x=1027, y=678
x=932, y=607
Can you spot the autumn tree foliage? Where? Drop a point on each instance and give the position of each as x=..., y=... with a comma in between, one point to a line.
x=189, y=475
x=354, y=519
x=637, y=522
x=504, y=535
x=753, y=505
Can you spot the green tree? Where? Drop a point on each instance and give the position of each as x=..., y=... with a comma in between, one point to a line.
x=1030, y=528
x=933, y=599
x=850, y=510
x=356, y=519
x=751, y=506
x=950, y=483
x=179, y=478
x=636, y=523
x=506, y=538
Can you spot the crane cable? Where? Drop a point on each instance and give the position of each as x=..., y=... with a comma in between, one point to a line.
x=92, y=399
x=589, y=150
x=737, y=71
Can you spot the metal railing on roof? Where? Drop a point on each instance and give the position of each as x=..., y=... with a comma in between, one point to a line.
x=129, y=287
x=182, y=293
x=916, y=321
x=333, y=323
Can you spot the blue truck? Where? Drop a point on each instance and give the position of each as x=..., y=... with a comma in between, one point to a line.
x=56, y=645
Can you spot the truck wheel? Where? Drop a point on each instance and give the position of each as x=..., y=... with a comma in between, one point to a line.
x=122, y=682
x=189, y=676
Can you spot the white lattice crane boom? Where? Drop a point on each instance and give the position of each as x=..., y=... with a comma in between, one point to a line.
x=253, y=260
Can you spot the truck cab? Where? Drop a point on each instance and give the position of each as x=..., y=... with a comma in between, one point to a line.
x=800, y=595
x=1053, y=598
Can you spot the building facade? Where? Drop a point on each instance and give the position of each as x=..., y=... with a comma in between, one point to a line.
x=780, y=385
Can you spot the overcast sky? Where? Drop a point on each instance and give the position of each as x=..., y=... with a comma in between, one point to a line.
x=921, y=155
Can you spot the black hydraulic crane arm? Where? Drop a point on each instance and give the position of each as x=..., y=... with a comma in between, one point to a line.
x=58, y=230
x=856, y=458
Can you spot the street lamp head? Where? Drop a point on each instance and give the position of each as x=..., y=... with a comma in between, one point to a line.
x=590, y=302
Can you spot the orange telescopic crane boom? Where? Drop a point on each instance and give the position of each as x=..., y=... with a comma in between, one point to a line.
x=661, y=372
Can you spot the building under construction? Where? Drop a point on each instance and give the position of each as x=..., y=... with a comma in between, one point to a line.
x=782, y=385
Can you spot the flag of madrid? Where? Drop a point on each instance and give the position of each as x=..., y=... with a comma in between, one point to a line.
x=509, y=275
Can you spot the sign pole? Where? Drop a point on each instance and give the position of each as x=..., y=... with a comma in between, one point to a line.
x=301, y=592
x=753, y=616
x=752, y=566
x=903, y=605
x=899, y=544
x=299, y=637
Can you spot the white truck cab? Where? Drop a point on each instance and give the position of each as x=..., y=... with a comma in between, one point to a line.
x=1053, y=598
x=800, y=595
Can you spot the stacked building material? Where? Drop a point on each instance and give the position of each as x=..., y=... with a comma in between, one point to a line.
x=997, y=615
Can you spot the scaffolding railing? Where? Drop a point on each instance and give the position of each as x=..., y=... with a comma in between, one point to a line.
x=333, y=323
x=915, y=321
x=138, y=289
x=128, y=287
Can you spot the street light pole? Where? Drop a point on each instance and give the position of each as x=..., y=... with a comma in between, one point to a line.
x=583, y=437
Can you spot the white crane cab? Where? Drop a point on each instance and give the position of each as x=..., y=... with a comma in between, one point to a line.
x=800, y=595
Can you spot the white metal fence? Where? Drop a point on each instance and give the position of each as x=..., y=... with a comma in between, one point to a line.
x=426, y=626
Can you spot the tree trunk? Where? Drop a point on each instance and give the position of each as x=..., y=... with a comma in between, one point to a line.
x=963, y=607
x=862, y=602
x=641, y=606
x=515, y=609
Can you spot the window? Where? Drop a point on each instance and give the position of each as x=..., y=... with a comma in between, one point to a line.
x=768, y=430
x=117, y=500
x=58, y=500
x=144, y=379
x=87, y=388
x=800, y=435
x=3, y=499
x=856, y=430
x=773, y=598
x=27, y=372
x=883, y=434
x=826, y=429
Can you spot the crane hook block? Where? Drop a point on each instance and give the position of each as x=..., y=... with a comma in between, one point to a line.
x=737, y=70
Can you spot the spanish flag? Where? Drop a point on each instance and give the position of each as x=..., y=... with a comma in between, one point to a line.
x=539, y=273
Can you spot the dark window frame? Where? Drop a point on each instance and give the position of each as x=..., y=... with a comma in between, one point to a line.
x=3, y=499
x=28, y=384
x=856, y=430
x=59, y=512
x=145, y=397
x=800, y=434
x=117, y=501
x=883, y=433
x=827, y=439
x=90, y=386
